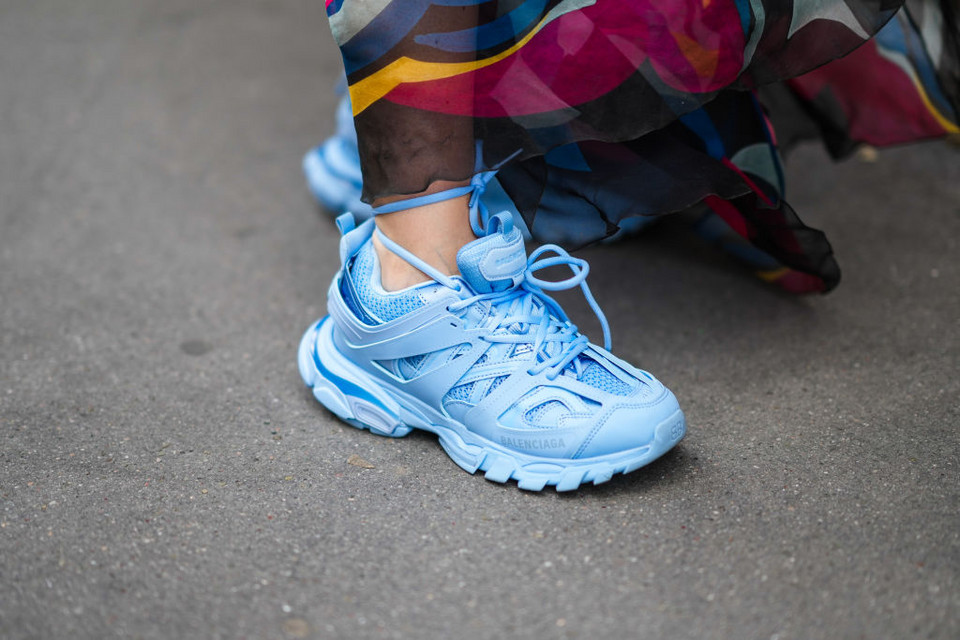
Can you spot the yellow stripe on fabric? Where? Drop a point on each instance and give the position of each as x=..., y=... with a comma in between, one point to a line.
x=904, y=64
x=773, y=274
x=948, y=126
x=402, y=70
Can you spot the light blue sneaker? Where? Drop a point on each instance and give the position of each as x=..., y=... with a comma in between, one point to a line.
x=485, y=360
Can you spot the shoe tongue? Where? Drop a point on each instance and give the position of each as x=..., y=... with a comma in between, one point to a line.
x=496, y=261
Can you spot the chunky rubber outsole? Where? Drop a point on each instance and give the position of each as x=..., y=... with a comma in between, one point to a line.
x=363, y=402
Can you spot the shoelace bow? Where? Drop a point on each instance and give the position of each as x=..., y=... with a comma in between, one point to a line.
x=479, y=214
x=526, y=305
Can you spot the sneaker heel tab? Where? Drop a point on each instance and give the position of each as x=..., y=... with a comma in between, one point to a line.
x=354, y=238
x=502, y=222
x=346, y=222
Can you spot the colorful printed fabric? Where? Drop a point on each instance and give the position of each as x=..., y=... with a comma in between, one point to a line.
x=717, y=163
x=615, y=108
x=900, y=87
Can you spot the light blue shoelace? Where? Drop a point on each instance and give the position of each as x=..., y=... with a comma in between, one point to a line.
x=479, y=214
x=524, y=305
x=525, y=309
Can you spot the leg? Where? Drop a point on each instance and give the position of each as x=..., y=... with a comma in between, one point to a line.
x=434, y=233
x=437, y=320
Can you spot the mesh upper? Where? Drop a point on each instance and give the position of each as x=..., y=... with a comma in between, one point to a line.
x=496, y=383
x=414, y=361
x=534, y=415
x=461, y=392
x=384, y=305
x=598, y=377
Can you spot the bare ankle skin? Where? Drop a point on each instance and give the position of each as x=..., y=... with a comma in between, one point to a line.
x=433, y=232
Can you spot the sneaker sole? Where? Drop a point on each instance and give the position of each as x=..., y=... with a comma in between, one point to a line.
x=363, y=402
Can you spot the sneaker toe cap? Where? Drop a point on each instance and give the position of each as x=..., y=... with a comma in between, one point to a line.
x=631, y=426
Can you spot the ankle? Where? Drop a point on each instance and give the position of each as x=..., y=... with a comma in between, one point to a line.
x=434, y=233
x=395, y=272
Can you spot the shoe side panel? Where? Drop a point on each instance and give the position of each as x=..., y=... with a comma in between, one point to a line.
x=425, y=330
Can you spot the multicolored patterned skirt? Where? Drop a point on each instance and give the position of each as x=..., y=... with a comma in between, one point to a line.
x=599, y=110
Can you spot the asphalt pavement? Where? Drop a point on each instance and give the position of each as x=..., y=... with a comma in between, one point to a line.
x=165, y=474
